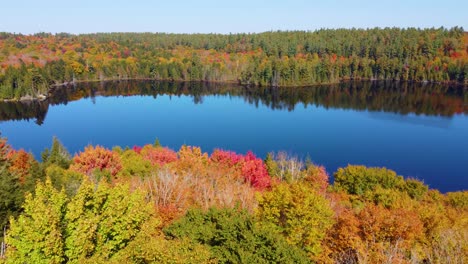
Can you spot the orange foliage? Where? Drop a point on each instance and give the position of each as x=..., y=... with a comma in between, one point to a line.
x=192, y=159
x=381, y=224
x=318, y=177
x=99, y=158
x=20, y=163
x=343, y=242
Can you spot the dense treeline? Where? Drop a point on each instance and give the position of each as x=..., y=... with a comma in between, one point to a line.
x=396, y=97
x=30, y=64
x=151, y=204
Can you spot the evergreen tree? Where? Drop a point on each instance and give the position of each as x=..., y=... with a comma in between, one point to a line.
x=11, y=194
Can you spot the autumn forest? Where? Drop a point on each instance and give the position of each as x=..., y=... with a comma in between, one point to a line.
x=30, y=64
x=153, y=204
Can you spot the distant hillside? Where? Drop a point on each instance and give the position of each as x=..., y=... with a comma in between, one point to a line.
x=30, y=64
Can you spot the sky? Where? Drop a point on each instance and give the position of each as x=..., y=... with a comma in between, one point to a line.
x=211, y=16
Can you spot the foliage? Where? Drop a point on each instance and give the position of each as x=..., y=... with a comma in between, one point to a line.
x=155, y=248
x=360, y=179
x=234, y=237
x=158, y=155
x=57, y=155
x=254, y=172
x=63, y=179
x=134, y=164
x=100, y=222
x=317, y=177
x=226, y=158
x=281, y=58
x=303, y=215
x=92, y=227
x=96, y=158
x=415, y=189
x=36, y=236
x=458, y=199
x=11, y=194
x=369, y=215
x=192, y=159
x=380, y=185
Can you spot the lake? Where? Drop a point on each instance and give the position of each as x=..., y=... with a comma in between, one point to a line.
x=418, y=130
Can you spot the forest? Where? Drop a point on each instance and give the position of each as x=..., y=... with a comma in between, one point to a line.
x=31, y=64
x=151, y=204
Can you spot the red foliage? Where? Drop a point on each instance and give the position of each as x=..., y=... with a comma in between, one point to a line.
x=455, y=55
x=254, y=171
x=224, y=157
x=158, y=155
x=96, y=158
x=137, y=149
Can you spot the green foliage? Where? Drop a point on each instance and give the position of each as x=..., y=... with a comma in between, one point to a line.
x=134, y=164
x=11, y=194
x=36, y=236
x=379, y=185
x=58, y=155
x=234, y=237
x=271, y=165
x=302, y=215
x=360, y=179
x=385, y=197
x=148, y=247
x=288, y=58
x=458, y=199
x=94, y=225
x=102, y=221
x=415, y=189
x=157, y=144
x=67, y=180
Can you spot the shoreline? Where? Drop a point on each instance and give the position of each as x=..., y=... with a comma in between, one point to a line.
x=43, y=97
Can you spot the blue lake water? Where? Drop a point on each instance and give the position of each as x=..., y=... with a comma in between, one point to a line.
x=423, y=136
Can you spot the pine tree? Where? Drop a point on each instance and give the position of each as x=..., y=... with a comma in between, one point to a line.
x=11, y=195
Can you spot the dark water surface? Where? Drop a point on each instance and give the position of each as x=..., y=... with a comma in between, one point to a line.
x=419, y=131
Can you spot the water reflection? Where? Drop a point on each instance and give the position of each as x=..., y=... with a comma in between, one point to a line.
x=27, y=110
x=394, y=97
x=428, y=121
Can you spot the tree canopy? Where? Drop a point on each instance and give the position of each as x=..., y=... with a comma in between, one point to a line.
x=30, y=64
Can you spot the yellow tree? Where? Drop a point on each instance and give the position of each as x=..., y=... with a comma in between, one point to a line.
x=300, y=212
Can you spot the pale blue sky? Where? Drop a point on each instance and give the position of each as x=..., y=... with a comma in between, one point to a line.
x=204, y=16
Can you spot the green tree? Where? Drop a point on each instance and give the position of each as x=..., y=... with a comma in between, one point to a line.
x=11, y=194
x=234, y=237
x=100, y=222
x=360, y=179
x=37, y=235
x=57, y=155
x=134, y=164
x=67, y=180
